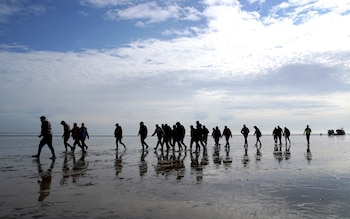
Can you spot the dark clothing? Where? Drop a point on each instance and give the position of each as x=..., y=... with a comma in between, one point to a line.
x=118, y=133
x=46, y=138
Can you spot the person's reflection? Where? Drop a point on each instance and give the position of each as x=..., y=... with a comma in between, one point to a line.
x=227, y=159
x=245, y=159
x=205, y=159
x=143, y=163
x=308, y=154
x=45, y=182
x=287, y=152
x=195, y=165
x=216, y=155
x=65, y=170
x=180, y=165
x=258, y=154
x=79, y=167
x=118, y=163
x=277, y=153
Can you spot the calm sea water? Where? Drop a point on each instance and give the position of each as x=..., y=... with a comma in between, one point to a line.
x=217, y=183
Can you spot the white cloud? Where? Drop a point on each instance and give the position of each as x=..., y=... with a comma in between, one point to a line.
x=237, y=68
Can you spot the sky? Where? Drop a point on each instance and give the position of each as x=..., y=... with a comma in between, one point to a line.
x=222, y=62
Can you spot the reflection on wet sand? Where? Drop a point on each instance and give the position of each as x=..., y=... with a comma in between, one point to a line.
x=45, y=182
x=277, y=152
x=118, y=163
x=245, y=159
x=228, y=159
x=170, y=161
x=308, y=154
x=216, y=154
x=143, y=163
x=258, y=154
x=287, y=151
x=73, y=170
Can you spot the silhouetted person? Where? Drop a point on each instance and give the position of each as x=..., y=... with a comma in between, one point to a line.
x=45, y=182
x=228, y=134
x=279, y=134
x=76, y=136
x=257, y=134
x=143, y=135
x=274, y=133
x=84, y=134
x=182, y=133
x=66, y=135
x=245, y=132
x=176, y=137
x=307, y=131
x=118, y=134
x=46, y=137
x=205, y=132
x=167, y=135
x=216, y=134
x=160, y=135
x=286, y=134
x=199, y=128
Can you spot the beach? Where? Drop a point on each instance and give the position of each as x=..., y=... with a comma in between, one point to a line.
x=216, y=183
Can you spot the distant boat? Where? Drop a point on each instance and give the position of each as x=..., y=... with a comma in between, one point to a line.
x=331, y=132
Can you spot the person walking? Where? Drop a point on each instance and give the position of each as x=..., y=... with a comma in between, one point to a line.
x=143, y=135
x=84, y=134
x=160, y=133
x=66, y=135
x=286, y=134
x=307, y=131
x=245, y=132
x=76, y=136
x=228, y=134
x=46, y=138
x=257, y=134
x=118, y=134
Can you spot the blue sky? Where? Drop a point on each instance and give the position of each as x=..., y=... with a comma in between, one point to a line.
x=228, y=62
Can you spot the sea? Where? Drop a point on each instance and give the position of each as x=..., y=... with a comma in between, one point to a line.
x=293, y=180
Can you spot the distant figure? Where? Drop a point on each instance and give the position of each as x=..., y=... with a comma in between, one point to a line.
x=46, y=137
x=307, y=131
x=160, y=134
x=257, y=134
x=245, y=132
x=66, y=135
x=143, y=135
x=118, y=134
x=216, y=134
x=286, y=134
x=84, y=134
x=76, y=136
x=228, y=134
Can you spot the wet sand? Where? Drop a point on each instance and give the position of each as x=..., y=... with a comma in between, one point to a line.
x=142, y=184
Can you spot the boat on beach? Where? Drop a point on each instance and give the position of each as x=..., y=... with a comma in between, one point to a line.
x=331, y=132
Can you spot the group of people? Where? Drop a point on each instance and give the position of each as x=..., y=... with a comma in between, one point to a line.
x=168, y=136
x=79, y=135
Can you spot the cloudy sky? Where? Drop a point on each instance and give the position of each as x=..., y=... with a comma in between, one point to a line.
x=223, y=62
